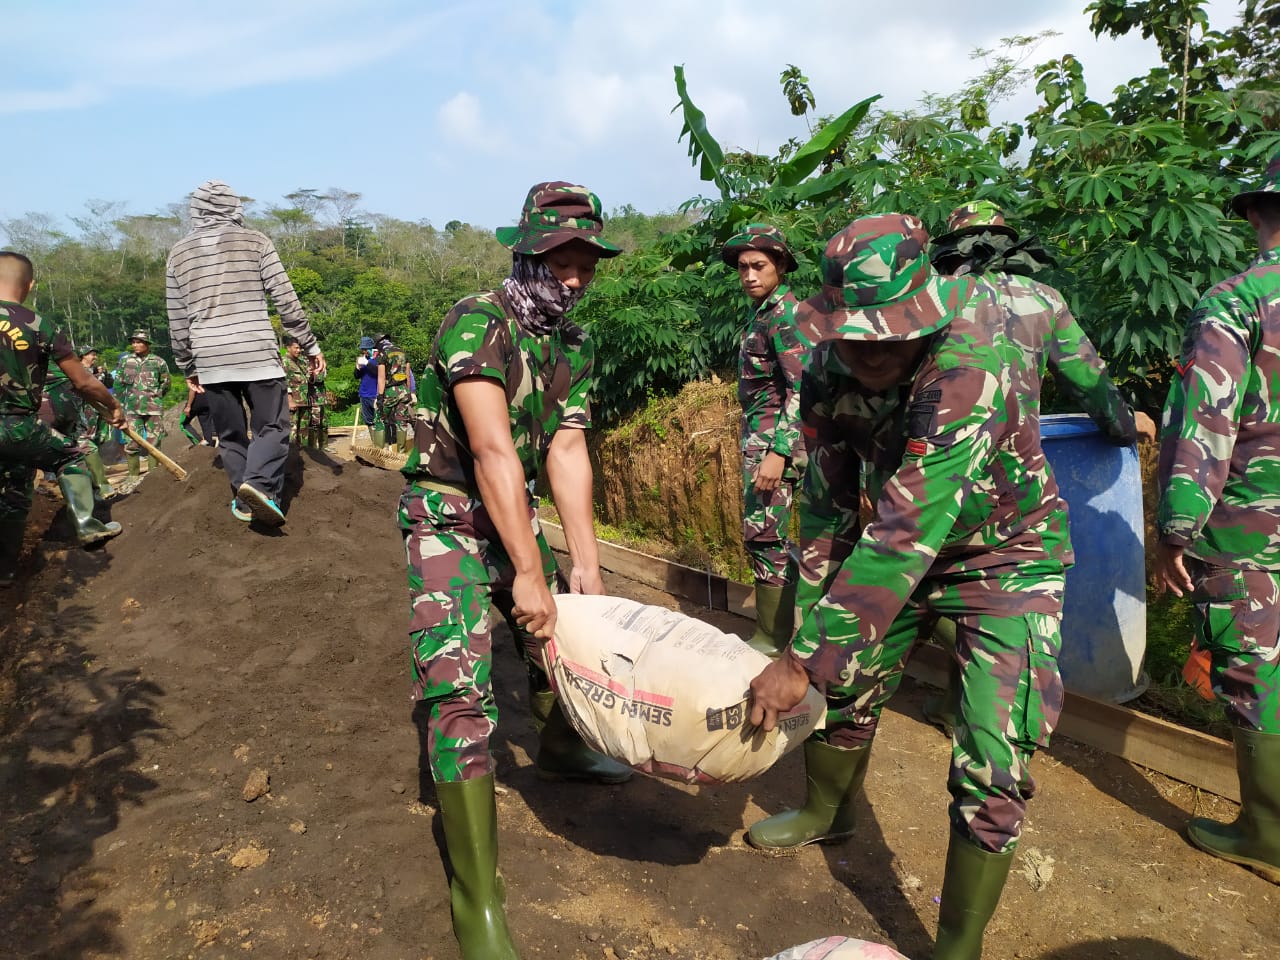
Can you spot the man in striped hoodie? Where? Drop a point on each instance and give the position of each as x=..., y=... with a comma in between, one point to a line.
x=218, y=279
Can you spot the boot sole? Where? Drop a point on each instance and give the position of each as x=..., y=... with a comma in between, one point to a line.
x=257, y=503
x=829, y=840
x=100, y=538
x=1265, y=870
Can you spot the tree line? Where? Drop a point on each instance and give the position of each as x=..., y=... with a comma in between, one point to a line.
x=1128, y=191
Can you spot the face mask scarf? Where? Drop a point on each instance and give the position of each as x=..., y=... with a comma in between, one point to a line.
x=537, y=297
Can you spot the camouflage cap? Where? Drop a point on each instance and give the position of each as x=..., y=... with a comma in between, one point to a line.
x=86, y=349
x=140, y=334
x=555, y=213
x=977, y=216
x=877, y=285
x=1270, y=183
x=758, y=236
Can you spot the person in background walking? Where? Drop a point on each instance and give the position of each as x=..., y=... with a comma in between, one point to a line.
x=218, y=278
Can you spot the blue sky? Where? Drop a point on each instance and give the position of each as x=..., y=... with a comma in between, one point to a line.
x=450, y=110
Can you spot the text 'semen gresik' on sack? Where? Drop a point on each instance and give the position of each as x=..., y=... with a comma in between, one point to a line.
x=665, y=692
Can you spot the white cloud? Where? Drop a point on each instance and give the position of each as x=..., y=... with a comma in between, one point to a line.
x=461, y=122
x=38, y=101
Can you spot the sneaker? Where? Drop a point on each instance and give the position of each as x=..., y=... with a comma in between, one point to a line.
x=238, y=512
x=260, y=505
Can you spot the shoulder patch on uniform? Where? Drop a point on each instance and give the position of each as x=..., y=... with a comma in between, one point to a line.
x=917, y=448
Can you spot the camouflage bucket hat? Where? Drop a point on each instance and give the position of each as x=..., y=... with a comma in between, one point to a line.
x=1270, y=183
x=758, y=236
x=140, y=335
x=978, y=216
x=555, y=213
x=877, y=285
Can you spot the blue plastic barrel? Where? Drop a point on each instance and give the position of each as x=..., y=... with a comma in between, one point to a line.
x=1104, y=620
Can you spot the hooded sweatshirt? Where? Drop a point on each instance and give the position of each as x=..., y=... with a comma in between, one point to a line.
x=217, y=282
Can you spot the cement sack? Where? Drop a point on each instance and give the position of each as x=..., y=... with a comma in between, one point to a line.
x=839, y=948
x=666, y=693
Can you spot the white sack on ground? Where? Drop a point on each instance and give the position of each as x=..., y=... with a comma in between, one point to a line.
x=666, y=693
x=839, y=948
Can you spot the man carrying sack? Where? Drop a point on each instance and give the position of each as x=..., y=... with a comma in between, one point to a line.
x=913, y=374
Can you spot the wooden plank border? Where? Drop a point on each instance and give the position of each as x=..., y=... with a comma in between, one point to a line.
x=1168, y=748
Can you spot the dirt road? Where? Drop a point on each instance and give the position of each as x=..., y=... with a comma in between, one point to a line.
x=195, y=663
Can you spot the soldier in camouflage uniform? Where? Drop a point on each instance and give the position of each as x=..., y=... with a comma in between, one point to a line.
x=27, y=341
x=397, y=395
x=306, y=397
x=912, y=375
x=72, y=418
x=1038, y=323
x=504, y=395
x=1219, y=520
x=142, y=380
x=770, y=363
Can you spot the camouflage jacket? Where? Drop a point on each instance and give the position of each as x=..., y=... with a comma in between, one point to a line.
x=141, y=383
x=968, y=494
x=396, y=377
x=547, y=380
x=770, y=365
x=304, y=389
x=1038, y=323
x=1220, y=437
x=27, y=344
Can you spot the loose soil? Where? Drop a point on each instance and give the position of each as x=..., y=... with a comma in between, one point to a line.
x=209, y=753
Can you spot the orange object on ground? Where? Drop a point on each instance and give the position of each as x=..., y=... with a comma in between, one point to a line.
x=1196, y=671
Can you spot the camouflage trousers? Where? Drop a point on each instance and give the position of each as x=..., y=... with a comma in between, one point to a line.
x=458, y=572
x=28, y=445
x=71, y=415
x=146, y=425
x=1237, y=620
x=308, y=420
x=397, y=416
x=766, y=522
x=1009, y=694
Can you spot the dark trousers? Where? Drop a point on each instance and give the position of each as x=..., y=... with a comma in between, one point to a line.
x=368, y=410
x=259, y=463
x=200, y=411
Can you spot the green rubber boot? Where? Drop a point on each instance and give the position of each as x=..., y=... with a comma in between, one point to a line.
x=971, y=890
x=469, y=814
x=11, y=532
x=561, y=753
x=834, y=776
x=77, y=490
x=378, y=437
x=98, y=471
x=775, y=618
x=152, y=464
x=135, y=465
x=1253, y=841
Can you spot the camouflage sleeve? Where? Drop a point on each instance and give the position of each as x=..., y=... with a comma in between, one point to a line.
x=471, y=342
x=1201, y=419
x=278, y=285
x=1082, y=373
x=953, y=420
x=577, y=409
x=828, y=498
x=792, y=351
x=179, y=324
x=165, y=377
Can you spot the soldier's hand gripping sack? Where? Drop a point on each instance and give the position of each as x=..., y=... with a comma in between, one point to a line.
x=666, y=693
